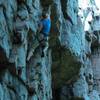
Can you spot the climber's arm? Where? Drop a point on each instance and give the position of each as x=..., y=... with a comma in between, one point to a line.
x=40, y=27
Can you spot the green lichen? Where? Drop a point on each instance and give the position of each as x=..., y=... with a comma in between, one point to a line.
x=76, y=98
x=65, y=67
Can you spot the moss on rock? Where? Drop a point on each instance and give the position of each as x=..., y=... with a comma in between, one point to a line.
x=65, y=68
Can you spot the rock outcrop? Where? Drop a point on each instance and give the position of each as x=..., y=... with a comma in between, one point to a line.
x=69, y=69
x=18, y=26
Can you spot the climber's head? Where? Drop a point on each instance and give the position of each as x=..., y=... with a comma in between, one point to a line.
x=44, y=15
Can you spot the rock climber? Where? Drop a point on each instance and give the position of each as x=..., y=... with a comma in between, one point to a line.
x=42, y=34
x=43, y=31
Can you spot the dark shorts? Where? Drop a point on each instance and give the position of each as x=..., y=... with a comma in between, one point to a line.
x=43, y=40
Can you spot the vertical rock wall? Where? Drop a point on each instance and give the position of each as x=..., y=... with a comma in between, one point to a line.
x=68, y=55
x=85, y=86
x=67, y=43
x=22, y=17
x=72, y=37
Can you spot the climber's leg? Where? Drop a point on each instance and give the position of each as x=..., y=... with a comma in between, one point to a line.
x=30, y=54
x=43, y=46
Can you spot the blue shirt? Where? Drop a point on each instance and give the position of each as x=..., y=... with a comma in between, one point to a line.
x=46, y=23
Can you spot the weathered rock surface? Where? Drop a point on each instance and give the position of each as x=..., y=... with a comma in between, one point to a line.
x=21, y=17
x=66, y=71
x=88, y=72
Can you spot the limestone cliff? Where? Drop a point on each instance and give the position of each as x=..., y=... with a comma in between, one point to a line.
x=21, y=17
x=67, y=70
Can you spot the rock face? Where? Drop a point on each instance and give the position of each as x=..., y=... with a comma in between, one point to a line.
x=18, y=25
x=87, y=82
x=76, y=24
x=69, y=68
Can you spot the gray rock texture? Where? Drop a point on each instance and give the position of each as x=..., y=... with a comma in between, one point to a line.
x=69, y=69
x=22, y=17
